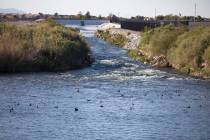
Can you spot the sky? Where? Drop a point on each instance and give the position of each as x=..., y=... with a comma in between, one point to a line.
x=123, y=8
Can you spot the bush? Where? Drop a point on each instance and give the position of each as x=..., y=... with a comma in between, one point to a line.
x=134, y=53
x=185, y=50
x=45, y=46
x=206, y=56
x=189, y=49
x=145, y=37
x=116, y=39
x=158, y=41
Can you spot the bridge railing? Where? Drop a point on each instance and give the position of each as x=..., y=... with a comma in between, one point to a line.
x=139, y=25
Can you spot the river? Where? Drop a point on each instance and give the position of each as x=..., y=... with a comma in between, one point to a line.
x=116, y=98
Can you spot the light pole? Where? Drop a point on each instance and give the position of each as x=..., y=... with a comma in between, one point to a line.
x=195, y=12
x=155, y=13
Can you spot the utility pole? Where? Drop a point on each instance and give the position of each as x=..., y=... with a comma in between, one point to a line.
x=195, y=12
x=155, y=13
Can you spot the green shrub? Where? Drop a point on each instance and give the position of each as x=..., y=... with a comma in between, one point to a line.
x=189, y=48
x=145, y=37
x=116, y=39
x=206, y=56
x=45, y=46
x=186, y=50
x=158, y=41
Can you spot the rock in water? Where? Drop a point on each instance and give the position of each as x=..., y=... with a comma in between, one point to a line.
x=76, y=109
x=56, y=107
x=11, y=110
x=159, y=61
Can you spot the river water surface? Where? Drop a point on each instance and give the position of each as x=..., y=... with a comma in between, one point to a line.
x=117, y=99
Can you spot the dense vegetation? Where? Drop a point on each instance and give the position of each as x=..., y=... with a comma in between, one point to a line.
x=158, y=41
x=45, y=46
x=32, y=17
x=171, y=17
x=179, y=17
x=116, y=39
x=187, y=50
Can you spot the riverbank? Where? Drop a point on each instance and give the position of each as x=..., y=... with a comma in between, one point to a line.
x=121, y=37
x=44, y=46
x=186, y=50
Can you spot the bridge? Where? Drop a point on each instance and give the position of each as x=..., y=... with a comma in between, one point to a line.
x=139, y=25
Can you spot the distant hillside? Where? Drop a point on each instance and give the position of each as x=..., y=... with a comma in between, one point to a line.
x=11, y=10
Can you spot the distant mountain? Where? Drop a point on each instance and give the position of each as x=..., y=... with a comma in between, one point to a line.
x=11, y=10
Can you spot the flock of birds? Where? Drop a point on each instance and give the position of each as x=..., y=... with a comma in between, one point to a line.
x=76, y=109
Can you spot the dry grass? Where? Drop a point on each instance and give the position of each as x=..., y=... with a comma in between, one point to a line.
x=116, y=39
x=46, y=46
x=185, y=50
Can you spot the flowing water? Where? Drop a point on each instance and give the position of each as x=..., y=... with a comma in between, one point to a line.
x=117, y=99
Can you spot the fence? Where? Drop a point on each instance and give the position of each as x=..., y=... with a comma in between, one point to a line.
x=138, y=25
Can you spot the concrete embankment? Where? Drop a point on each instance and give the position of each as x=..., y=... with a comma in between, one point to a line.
x=131, y=41
x=133, y=37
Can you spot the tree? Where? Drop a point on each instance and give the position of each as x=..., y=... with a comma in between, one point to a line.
x=87, y=15
x=99, y=17
x=56, y=14
x=199, y=18
x=15, y=16
x=41, y=14
x=138, y=17
x=160, y=17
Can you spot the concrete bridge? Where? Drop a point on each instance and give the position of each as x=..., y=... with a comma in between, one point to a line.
x=139, y=25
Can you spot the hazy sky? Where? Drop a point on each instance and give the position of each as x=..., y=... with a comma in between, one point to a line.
x=125, y=8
